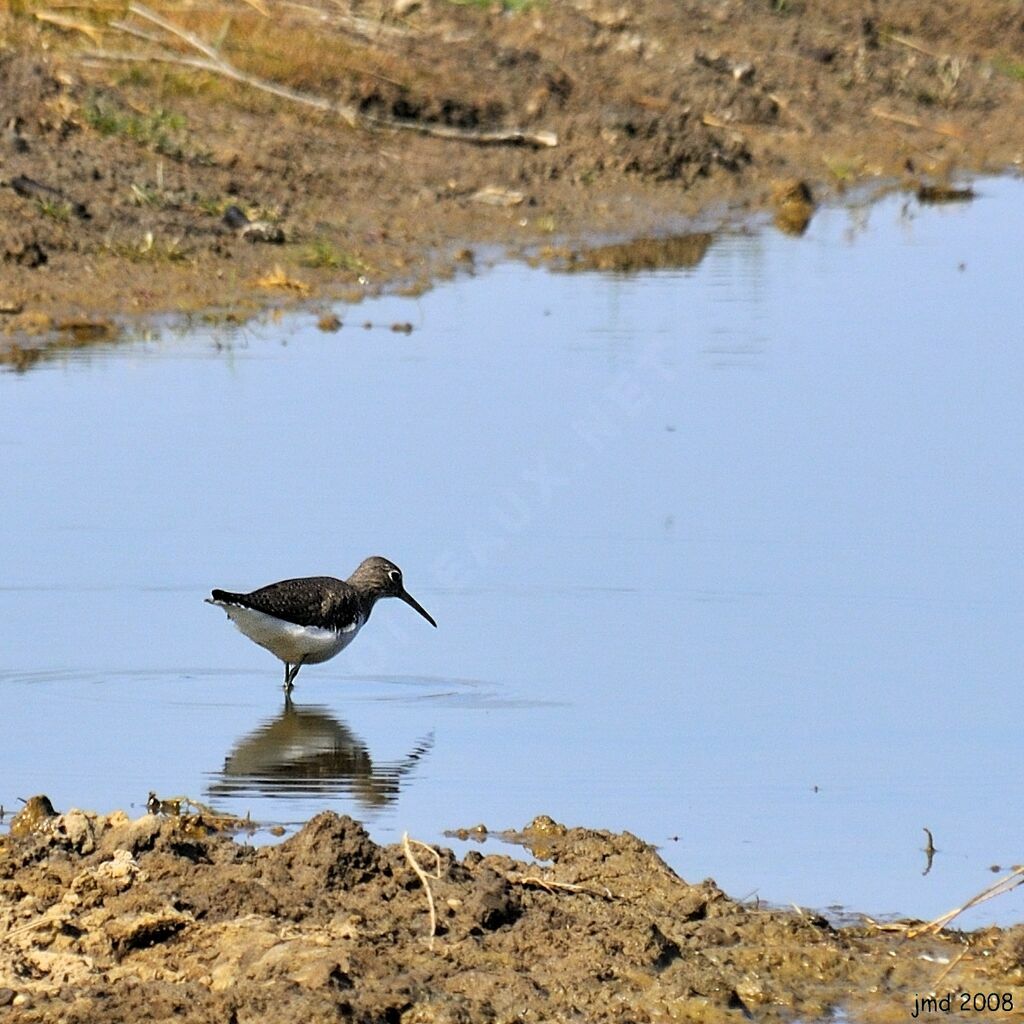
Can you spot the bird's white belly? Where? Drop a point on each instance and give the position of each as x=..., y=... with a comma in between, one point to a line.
x=292, y=643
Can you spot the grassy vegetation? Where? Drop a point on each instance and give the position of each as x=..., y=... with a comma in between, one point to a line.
x=150, y=250
x=1010, y=68
x=323, y=254
x=147, y=195
x=843, y=171
x=56, y=209
x=160, y=130
x=213, y=206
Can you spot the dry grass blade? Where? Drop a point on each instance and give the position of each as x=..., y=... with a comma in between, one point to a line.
x=39, y=922
x=912, y=45
x=949, y=967
x=423, y=876
x=190, y=38
x=70, y=24
x=1004, y=885
x=886, y=926
x=549, y=885
x=913, y=122
x=219, y=67
x=212, y=61
x=138, y=33
x=277, y=278
x=513, y=137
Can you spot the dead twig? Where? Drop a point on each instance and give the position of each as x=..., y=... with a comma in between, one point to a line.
x=899, y=927
x=913, y=122
x=1004, y=885
x=787, y=109
x=218, y=65
x=212, y=61
x=512, y=137
x=911, y=45
x=138, y=33
x=423, y=876
x=711, y=121
x=949, y=967
x=190, y=38
x=551, y=886
x=69, y=24
x=39, y=922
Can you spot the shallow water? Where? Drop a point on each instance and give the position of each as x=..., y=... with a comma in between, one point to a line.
x=728, y=556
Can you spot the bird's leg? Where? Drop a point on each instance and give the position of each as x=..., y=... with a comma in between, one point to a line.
x=287, y=681
x=290, y=674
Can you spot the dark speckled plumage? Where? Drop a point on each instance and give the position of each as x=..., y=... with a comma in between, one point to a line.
x=310, y=601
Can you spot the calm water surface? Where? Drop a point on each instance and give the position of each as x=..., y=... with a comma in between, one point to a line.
x=728, y=556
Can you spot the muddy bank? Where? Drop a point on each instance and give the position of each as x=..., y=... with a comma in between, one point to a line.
x=141, y=175
x=157, y=918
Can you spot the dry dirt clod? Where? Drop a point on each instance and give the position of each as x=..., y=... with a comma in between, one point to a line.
x=147, y=920
x=794, y=206
x=37, y=813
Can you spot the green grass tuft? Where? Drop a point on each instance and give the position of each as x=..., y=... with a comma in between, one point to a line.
x=1010, y=68
x=161, y=130
x=322, y=254
x=56, y=209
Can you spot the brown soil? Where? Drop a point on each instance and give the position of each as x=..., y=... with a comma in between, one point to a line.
x=662, y=111
x=108, y=919
x=117, y=182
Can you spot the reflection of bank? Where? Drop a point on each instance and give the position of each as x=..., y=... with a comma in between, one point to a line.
x=305, y=750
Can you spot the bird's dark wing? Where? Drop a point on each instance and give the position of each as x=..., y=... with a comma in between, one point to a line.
x=311, y=601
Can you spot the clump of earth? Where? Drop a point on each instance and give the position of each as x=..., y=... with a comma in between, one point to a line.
x=108, y=918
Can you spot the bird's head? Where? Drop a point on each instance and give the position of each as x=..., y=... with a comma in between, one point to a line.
x=385, y=579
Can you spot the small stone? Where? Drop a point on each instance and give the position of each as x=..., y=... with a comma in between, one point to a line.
x=263, y=231
x=492, y=195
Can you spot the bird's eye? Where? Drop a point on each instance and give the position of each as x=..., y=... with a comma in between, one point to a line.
x=394, y=575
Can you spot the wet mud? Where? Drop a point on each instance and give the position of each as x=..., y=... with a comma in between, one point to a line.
x=145, y=168
x=166, y=917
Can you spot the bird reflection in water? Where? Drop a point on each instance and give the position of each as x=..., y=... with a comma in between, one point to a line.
x=305, y=750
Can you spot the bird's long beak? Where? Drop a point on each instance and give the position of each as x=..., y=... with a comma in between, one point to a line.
x=413, y=603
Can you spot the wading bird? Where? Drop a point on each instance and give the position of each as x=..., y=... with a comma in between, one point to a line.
x=309, y=620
